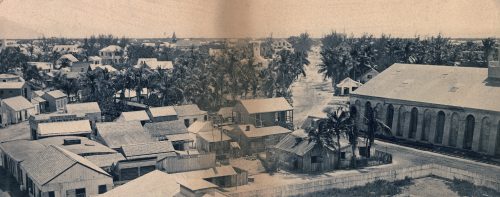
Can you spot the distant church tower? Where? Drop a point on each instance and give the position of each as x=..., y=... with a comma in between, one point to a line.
x=174, y=38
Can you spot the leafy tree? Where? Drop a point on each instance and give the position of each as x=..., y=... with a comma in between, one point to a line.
x=301, y=43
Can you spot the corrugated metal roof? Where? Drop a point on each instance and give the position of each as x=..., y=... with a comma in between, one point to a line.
x=254, y=106
x=161, y=129
x=296, y=145
x=52, y=161
x=21, y=150
x=147, y=148
x=117, y=134
x=105, y=160
x=64, y=128
x=445, y=85
x=18, y=103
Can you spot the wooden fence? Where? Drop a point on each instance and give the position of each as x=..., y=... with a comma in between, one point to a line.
x=348, y=181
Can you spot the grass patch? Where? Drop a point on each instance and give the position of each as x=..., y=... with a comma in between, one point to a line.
x=377, y=188
x=466, y=188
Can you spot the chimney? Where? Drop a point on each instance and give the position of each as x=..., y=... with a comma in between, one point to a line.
x=494, y=68
x=247, y=128
x=72, y=141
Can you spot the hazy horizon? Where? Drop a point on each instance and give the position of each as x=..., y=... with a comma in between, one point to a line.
x=248, y=19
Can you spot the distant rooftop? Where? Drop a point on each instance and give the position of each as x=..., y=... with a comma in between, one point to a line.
x=265, y=105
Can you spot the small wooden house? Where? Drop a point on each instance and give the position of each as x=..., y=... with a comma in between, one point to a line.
x=264, y=112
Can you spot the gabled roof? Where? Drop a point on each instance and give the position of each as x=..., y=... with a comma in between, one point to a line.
x=214, y=136
x=162, y=111
x=200, y=126
x=207, y=173
x=37, y=100
x=180, y=137
x=225, y=112
x=64, y=128
x=21, y=150
x=297, y=145
x=262, y=131
x=83, y=108
x=69, y=57
x=103, y=67
x=153, y=184
x=254, y=106
x=158, y=129
x=18, y=103
x=54, y=161
x=111, y=48
x=147, y=149
x=117, y=134
x=188, y=110
x=348, y=82
x=465, y=87
x=134, y=115
x=56, y=94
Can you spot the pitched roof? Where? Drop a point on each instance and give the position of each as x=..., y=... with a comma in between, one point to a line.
x=158, y=129
x=64, y=128
x=147, y=149
x=83, y=108
x=37, y=100
x=21, y=150
x=117, y=134
x=153, y=184
x=134, y=115
x=52, y=162
x=85, y=147
x=444, y=85
x=348, y=82
x=18, y=103
x=103, y=67
x=105, y=160
x=254, y=106
x=69, y=57
x=188, y=110
x=162, y=111
x=225, y=112
x=296, y=145
x=196, y=184
x=56, y=94
x=180, y=137
x=207, y=173
x=262, y=131
x=111, y=48
x=200, y=126
x=214, y=136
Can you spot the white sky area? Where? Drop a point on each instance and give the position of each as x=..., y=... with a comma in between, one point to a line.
x=250, y=18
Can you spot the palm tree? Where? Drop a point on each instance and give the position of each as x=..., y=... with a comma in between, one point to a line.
x=374, y=126
x=337, y=123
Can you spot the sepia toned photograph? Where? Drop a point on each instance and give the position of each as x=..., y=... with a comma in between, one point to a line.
x=249, y=98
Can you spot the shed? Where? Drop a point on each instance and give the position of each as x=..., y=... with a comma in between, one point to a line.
x=159, y=114
x=347, y=85
x=66, y=128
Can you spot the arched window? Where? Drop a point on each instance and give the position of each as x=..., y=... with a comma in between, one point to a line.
x=453, y=130
x=469, y=132
x=439, y=127
x=426, y=126
x=401, y=121
x=368, y=109
x=413, y=123
x=497, y=149
x=485, y=134
x=389, y=116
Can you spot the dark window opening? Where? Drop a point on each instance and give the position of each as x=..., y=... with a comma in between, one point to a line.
x=102, y=189
x=316, y=159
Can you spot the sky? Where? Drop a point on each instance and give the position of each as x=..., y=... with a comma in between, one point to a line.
x=248, y=18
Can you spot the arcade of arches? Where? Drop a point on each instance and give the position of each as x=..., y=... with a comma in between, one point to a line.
x=474, y=130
